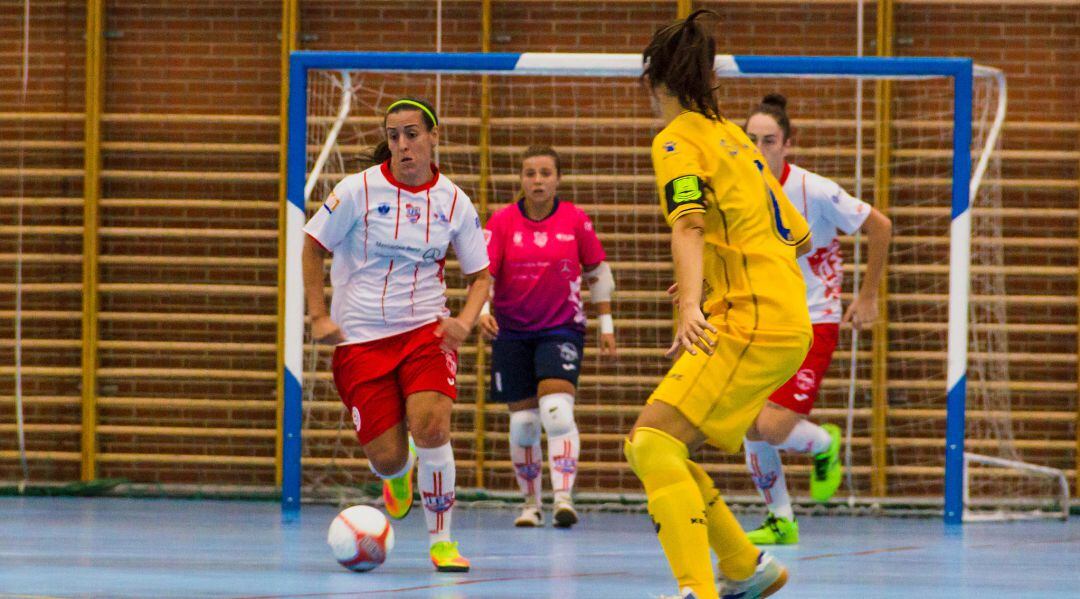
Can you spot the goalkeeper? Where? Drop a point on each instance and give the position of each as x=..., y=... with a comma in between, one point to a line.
x=539, y=247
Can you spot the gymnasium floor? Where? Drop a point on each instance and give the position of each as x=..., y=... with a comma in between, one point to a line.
x=105, y=547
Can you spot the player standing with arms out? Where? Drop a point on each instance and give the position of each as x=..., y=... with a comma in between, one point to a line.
x=783, y=424
x=539, y=247
x=732, y=226
x=395, y=365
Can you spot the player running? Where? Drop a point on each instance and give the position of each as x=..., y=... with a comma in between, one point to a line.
x=539, y=247
x=395, y=365
x=782, y=424
x=732, y=226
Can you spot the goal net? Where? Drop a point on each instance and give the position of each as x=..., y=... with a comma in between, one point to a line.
x=593, y=110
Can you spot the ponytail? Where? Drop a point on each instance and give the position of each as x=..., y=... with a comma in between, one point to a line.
x=682, y=57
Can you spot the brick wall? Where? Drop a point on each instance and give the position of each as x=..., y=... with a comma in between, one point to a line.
x=204, y=58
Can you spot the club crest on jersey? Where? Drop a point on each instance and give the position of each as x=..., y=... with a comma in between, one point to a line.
x=568, y=352
x=412, y=213
x=356, y=418
x=438, y=503
x=517, y=238
x=588, y=225
x=540, y=238
x=487, y=236
x=804, y=379
x=451, y=363
x=384, y=209
x=669, y=146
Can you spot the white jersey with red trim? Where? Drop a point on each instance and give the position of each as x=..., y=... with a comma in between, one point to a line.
x=389, y=243
x=828, y=208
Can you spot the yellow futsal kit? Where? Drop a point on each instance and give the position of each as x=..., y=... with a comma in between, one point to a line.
x=756, y=297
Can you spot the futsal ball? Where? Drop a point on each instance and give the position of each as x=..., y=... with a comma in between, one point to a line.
x=360, y=537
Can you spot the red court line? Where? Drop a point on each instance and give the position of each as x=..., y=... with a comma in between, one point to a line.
x=448, y=584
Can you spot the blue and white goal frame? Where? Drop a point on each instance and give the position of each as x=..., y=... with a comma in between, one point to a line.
x=960, y=70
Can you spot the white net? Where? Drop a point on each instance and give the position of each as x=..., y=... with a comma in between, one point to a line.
x=603, y=132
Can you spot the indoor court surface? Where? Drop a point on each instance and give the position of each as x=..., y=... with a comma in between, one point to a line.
x=105, y=547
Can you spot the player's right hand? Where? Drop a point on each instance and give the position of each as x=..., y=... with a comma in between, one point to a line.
x=691, y=335
x=324, y=330
x=489, y=328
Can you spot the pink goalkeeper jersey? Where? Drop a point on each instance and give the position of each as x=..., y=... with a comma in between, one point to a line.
x=390, y=243
x=827, y=208
x=537, y=266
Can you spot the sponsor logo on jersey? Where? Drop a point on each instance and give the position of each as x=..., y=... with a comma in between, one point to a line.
x=451, y=363
x=540, y=238
x=588, y=225
x=487, y=236
x=801, y=396
x=412, y=213
x=431, y=255
x=356, y=418
x=441, y=217
x=564, y=236
x=568, y=352
x=517, y=238
x=384, y=209
x=566, y=269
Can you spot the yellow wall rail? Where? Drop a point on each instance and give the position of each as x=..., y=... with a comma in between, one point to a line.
x=95, y=86
x=879, y=400
x=290, y=17
x=480, y=421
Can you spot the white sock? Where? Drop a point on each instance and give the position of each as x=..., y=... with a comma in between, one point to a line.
x=806, y=437
x=763, y=460
x=526, y=454
x=436, y=477
x=563, y=452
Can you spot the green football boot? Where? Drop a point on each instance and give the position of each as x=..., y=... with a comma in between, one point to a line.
x=775, y=531
x=827, y=469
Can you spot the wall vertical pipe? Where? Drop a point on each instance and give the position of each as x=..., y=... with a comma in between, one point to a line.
x=95, y=88
x=480, y=422
x=290, y=12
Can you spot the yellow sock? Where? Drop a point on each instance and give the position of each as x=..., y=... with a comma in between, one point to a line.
x=738, y=556
x=675, y=505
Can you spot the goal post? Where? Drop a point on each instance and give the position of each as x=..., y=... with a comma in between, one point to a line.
x=959, y=72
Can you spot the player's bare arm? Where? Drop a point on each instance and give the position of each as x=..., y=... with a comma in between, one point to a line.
x=863, y=310
x=687, y=245
x=455, y=329
x=323, y=330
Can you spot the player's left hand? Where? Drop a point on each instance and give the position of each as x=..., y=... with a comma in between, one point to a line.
x=453, y=332
x=607, y=345
x=862, y=312
x=690, y=335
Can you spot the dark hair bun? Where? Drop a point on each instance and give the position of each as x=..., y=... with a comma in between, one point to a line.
x=777, y=100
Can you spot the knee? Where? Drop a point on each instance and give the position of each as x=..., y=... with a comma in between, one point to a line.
x=430, y=428
x=525, y=427
x=775, y=432
x=557, y=414
x=387, y=462
x=651, y=450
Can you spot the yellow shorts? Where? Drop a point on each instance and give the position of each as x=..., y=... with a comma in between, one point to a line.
x=722, y=394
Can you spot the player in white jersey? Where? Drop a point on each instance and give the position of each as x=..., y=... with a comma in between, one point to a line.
x=395, y=365
x=782, y=424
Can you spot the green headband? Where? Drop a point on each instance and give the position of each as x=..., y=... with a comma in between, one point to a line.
x=414, y=104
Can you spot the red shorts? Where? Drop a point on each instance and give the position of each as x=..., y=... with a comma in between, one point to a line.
x=801, y=390
x=374, y=378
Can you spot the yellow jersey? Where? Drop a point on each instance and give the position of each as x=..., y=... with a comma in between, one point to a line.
x=751, y=228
